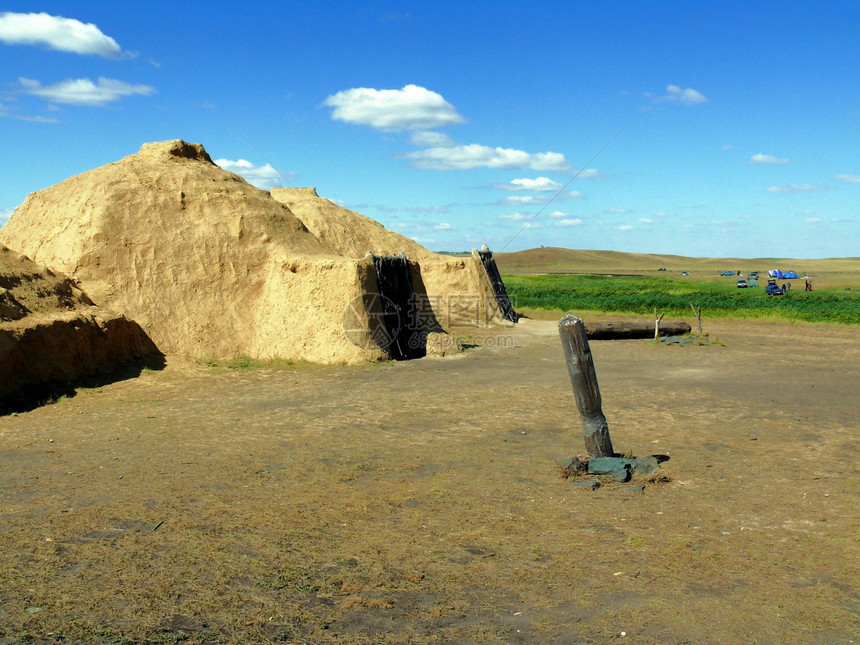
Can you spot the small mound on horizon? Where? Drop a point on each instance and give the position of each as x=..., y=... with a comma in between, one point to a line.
x=562, y=260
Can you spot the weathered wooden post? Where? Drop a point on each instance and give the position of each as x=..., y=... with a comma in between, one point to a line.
x=698, y=312
x=657, y=324
x=580, y=367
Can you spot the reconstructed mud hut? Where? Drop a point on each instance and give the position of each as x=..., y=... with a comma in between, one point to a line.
x=213, y=268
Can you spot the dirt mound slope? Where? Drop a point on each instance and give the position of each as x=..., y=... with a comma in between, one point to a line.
x=51, y=332
x=210, y=266
x=346, y=232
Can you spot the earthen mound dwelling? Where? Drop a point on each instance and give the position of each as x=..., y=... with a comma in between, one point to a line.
x=210, y=266
x=52, y=333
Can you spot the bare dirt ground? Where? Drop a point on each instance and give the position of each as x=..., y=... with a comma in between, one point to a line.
x=423, y=502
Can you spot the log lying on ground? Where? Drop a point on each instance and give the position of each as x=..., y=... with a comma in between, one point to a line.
x=625, y=330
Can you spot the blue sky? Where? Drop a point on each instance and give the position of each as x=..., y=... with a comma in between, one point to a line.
x=703, y=129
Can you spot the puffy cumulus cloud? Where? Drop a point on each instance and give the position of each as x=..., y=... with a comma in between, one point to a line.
x=443, y=226
x=410, y=108
x=58, y=33
x=645, y=220
x=82, y=91
x=522, y=199
x=575, y=194
x=686, y=96
x=549, y=161
x=853, y=179
x=427, y=139
x=264, y=177
x=539, y=184
x=569, y=221
x=626, y=227
x=794, y=188
x=768, y=159
x=558, y=214
x=515, y=217
x=477, y=156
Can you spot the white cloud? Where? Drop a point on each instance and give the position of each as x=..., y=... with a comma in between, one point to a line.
x=616, y=211
x=58, y=33
x=549, y=161
x=663, y=214
x=759, y=158
x=575, y=194
x=793, y=188
x=854, y=179
x=477, y=156
x=589, y=173
x=264, y=177
x=812, y=220
x=4, y=215
x=82, y=91
x=410, y=108
x=444, y=226
x=516, y=217
x=645, y=220
x=626, y=227
x=428, y=139
x=27, y=117
x=687, y=96
x=540, y=184
x=573, y=221
x=522, y=199
x=558, y=214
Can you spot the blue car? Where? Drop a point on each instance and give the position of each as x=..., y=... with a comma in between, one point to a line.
x=773, y=290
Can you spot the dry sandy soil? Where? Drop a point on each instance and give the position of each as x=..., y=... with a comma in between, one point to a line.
x=423, y=502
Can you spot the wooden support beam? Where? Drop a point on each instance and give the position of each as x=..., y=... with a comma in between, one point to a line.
x=580, y=368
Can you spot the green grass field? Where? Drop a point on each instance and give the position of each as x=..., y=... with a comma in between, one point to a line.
x=673, y=296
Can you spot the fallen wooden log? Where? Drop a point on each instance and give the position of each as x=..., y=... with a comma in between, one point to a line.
x=625, y=330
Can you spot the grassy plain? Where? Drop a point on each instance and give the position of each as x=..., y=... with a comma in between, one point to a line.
x=564, y=280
